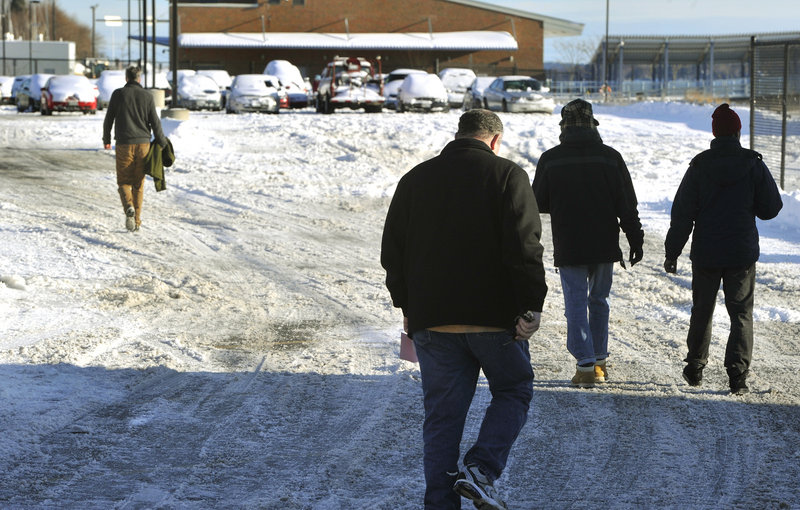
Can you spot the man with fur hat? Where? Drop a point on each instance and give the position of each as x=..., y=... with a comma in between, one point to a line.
x=585, y=186
x=718, y=200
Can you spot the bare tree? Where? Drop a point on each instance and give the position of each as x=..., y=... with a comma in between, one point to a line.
x=576, y=52
x=67, y=27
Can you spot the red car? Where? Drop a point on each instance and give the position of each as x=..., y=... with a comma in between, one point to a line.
x=69, y=93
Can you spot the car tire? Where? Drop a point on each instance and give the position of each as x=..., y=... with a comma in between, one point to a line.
x=505, y=106
x=486, y=103
x=327, y=107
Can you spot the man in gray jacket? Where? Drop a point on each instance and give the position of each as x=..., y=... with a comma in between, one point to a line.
x=132, y=111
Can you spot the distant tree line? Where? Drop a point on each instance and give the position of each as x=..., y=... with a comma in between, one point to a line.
x=52, y=23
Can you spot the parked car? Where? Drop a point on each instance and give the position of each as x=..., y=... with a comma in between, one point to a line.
x=198, y=92
x=16, y=85
x=392, y=82
x=181, y=74
x=456, y=80
x=6, y=82
x=349, y=83
x=162, y=83
x=68, y=93
x=256, y=93
x=422, y=92
x=517, y=94
x=292, y=81
x=109, y=81
x=29, y=94
x=222, y=79
x=473, y=96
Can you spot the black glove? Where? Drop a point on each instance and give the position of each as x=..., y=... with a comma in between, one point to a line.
x=671, y=266
x=635, y=256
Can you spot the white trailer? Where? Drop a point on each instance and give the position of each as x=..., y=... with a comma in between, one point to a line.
x=27, y=57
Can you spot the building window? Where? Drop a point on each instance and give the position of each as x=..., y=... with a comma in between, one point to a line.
x=298, y=2
x=274, y=2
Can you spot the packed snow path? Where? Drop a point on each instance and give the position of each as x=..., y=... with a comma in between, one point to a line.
x=241, y=350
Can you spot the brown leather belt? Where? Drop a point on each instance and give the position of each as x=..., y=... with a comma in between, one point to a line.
x=464, y=328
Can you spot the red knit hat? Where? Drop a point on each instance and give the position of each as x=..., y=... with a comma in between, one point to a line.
x=724, y=121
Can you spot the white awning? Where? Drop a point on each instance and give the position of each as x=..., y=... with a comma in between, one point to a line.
x=445, y=41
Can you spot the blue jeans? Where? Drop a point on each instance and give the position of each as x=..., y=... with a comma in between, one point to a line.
x=449, y=365
x=586, y=288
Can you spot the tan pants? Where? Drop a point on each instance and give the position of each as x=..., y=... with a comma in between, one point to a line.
x=130, y=176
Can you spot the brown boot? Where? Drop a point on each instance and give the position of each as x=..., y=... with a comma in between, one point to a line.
x=600, y=372
x=584, y=377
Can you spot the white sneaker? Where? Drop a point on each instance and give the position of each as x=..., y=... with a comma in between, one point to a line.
x=475, y=486
x=130, y=221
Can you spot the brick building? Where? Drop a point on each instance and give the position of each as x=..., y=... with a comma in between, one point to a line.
x=242, y=36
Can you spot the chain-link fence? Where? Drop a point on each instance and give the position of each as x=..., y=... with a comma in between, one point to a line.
x=775, y=108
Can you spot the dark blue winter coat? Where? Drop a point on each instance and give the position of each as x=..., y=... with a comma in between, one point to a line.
x=720, y=196
x=461, y=242
x=586, y=188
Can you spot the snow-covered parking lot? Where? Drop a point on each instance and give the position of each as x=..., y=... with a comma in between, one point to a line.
x=240, y=351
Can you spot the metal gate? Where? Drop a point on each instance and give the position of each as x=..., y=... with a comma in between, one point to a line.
x=775, y=107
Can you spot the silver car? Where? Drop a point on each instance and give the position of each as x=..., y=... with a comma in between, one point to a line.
x=517, y=94
x=473, y=96
x=256, y=93
x=198, y=92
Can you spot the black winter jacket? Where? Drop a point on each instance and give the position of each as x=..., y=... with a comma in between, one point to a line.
x=132, y=110
x=461, y=242
x=720, y=196
x=586, y=188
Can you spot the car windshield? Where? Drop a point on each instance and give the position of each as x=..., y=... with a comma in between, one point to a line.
x=253, y=82
x=68, y=81
x=522, y=85
x=458, y=80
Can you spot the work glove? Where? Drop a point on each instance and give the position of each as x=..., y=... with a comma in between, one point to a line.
x=635, y=255
x=671, y=266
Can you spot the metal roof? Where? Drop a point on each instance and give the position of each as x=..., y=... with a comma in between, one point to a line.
x=683, y=49
x=553, y=27
x=444, y=41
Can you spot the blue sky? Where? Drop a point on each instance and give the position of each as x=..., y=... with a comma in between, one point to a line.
x=627, y=17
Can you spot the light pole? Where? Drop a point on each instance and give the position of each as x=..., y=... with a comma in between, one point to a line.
x=605, y=61
x=93, y=7
x=3, y=33
x=30, y=34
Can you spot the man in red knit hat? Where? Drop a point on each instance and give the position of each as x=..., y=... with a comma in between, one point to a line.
x=721, y=194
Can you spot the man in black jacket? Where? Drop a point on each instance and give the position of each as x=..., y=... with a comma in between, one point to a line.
x=132, y=111
x=463, y=259
x=586, y=188
x=721, y=194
